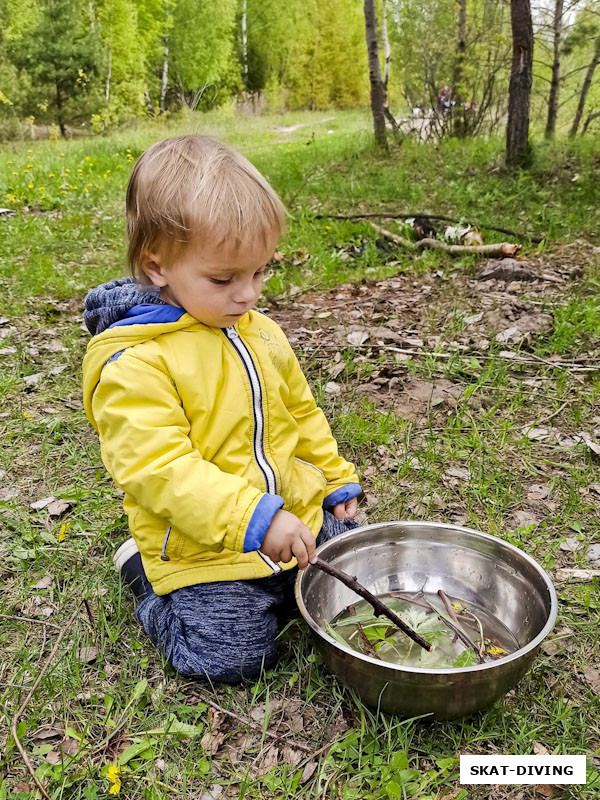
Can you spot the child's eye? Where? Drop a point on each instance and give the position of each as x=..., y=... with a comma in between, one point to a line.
x=220, y=283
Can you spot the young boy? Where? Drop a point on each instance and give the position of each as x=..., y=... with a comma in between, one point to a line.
x=205, y=419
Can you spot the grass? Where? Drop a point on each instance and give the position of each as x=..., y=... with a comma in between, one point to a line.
x=123, y=707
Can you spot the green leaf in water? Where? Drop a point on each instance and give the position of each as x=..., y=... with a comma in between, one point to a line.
x=466, y=659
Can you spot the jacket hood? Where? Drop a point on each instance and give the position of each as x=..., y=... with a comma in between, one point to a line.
x=110, y=302
x=121, y=314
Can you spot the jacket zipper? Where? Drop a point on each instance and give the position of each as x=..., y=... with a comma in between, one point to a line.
x=259, y=422
x=163, y=552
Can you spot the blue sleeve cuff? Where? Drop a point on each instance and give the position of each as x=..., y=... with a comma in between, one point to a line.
x=268, y=506
x=342, y=494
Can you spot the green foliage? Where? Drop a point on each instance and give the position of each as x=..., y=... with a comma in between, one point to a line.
x=61, y=54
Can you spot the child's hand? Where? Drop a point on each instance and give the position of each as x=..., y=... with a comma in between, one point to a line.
x=288, y=537
x=346, y=510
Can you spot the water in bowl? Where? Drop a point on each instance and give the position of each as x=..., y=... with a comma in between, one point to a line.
x=358, y=627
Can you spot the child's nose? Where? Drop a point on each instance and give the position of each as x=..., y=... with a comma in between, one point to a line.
x=244, y=293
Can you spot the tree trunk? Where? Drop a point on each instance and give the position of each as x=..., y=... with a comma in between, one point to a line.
x=149, y=105
x=555, y=82
x=165, y=76
x=59, y=110
x=585, y=89
x=460, y=127
x=377, y=90
x=519, y=92
x=109, y=73
x=245, y=43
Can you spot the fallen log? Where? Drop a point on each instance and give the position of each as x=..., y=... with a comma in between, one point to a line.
x=441, y=217
x=502, y=249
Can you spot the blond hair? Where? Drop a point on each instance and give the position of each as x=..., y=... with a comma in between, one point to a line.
x=194, y=187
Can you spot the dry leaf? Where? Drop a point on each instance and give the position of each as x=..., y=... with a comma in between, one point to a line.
x=333, y=388
x=592, y=676
x=548, y=790
x=43, y=735
x=570, y=544
x=33, y=380
x=594, y=446
x=58, y=507
x=44, y=583
x=356, y=338
x=8, y=494
x=538, y=491
x=537, y=434
x=88, y=654
x=539, y=749
x=69, y=747
x=308, y=771
x=212, y=793
x=460, y=473
x=593, y=553
x=269, y=759
x=523, y=518
x=578, y=574
x=53, y=757
x=335, y=369
x=39, y=504
x=473, y=318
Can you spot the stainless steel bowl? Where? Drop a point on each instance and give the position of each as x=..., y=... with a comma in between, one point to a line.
x=414, y=556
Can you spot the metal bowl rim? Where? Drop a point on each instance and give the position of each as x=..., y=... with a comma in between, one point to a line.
x=420, y=670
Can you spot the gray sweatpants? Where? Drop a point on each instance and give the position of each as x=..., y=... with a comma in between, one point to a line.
x=226, y=630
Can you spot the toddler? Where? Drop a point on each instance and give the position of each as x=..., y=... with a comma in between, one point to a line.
x=206, y=421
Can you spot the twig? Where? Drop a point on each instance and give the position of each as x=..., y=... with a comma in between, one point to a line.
x=25, y=703
x=250, y=723
x=378, y=607
x=415, y=600
x=462, y=636
x=369, y=649
x=556, y=413
x=30, y=619
x=503, y=249
x=442, y=217
x=449, y=609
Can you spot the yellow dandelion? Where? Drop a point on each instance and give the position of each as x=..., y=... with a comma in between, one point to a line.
x=27, y=415
x=86, y=190
x=113, y=775
x=67, y=170
x=492, y=650
x=28, y=165
x=15, y=173
x=30, y=185
x=50, y=174
x=327, y=227
x=61, y=154
x=80, y=171
x=30, y=151
x=62, y=534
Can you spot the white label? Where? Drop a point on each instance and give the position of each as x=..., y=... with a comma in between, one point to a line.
x=522, y=769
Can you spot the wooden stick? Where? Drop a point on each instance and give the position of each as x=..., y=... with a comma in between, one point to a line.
x=442, y=217
x=369, y=649
x=25, y=703
x=503, y=249
x=31, y=619
x=449, y=609
x=462, y=636
x=378, y=607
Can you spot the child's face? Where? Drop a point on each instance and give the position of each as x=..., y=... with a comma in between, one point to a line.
x=213, y=284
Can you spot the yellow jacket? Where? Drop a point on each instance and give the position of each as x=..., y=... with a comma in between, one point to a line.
x=208, y=432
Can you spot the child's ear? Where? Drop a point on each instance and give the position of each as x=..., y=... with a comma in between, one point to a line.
x=150, y=265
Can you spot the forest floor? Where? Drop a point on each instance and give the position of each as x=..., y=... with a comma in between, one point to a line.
x=464, y=392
